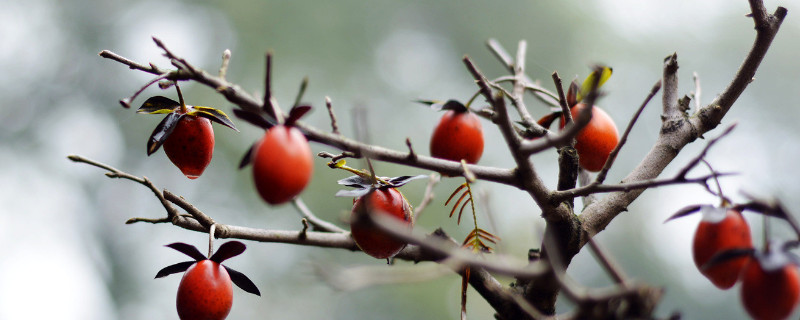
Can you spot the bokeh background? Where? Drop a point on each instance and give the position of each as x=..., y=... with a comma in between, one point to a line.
x=67, y=253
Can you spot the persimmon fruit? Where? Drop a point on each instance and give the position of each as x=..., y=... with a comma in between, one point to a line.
x=459, y=135
x=190, y=146
x=721, y=229
x=596, y=140
x=770, y=289
x=372, y=240
x=206, y=289
x=282, y=164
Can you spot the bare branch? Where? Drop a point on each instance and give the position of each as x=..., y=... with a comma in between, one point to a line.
x=115, y=173
x=316, y=222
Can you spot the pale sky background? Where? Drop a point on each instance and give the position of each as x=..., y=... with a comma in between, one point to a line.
x=68, y=255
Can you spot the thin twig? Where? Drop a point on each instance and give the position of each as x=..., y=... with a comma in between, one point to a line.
x=316, y=222
x=115, y=173
x=334, y=126
x=427, y=196
x=562, y=98
x=615, y=271
x=126, y=103
x=601, y=176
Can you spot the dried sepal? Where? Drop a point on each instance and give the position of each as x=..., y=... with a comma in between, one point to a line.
x=228, y=250
x=253, y=118
x=242, y=281
x=685, y=211
x=162, y=131
x=212, y=114
x=296, y=113
x=158, y=105
x=188, y=250
x=248, y=157
x=175, y=268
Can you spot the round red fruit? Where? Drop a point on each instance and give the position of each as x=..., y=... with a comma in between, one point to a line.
x=596, y=140
x=205, y=292
x=367, y=235
x=191, y=145
x=458, y=135
x=770, y=292
x=282, y=164
x=721, y=229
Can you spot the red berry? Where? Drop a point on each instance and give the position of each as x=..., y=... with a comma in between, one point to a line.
x=191, y=145
x=721, y=229
x=770, y=292
x=458, y=135
x=596, y=140
x=367, y=236
x=205, y=292
x=282, y=164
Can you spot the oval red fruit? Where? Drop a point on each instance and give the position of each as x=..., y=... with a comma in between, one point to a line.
x=205, y=292
x=459, y=135
x=721, y=229
x=191, y=145
x=770, y=294
x=282, y=164
x=367, y=236
x=596, y=140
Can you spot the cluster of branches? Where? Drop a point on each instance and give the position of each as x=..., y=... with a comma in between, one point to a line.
x=542, y=276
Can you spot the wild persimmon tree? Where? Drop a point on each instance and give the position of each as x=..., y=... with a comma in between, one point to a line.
x=587, y=141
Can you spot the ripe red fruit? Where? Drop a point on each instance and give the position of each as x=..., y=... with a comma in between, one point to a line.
x=596, y=140
x=770, y=290
x=721, y=229
x=282, y=164
x=367, y=236
x=205, y=292
x=190, y=146
x=459, y=135
x=185, y=132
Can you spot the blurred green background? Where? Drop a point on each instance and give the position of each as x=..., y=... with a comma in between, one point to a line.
x=68, y=254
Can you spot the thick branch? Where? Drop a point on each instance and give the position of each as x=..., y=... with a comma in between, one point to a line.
x=676, y=134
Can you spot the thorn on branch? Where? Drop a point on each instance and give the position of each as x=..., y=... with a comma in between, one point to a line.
x=411, y=155
x=304, y=232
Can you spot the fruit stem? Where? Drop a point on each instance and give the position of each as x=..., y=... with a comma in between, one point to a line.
x=211, y=231
x=723, y=201
x=180, y=98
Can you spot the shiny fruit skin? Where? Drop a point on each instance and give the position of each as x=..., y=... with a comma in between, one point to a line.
x=369, y=237
x=191, y=145
x=459, y=135
x=205, y=292
x=770, y=295
x=282, y=164
x=711, y=238
x=596, y=140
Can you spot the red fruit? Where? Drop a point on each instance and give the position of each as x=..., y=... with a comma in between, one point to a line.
x=596, y=140
x=721, y=229
x=282, y=164
x=205, y=292
x=458, y=135
x=191, y=145
x=770, y=291
x=367, y=236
